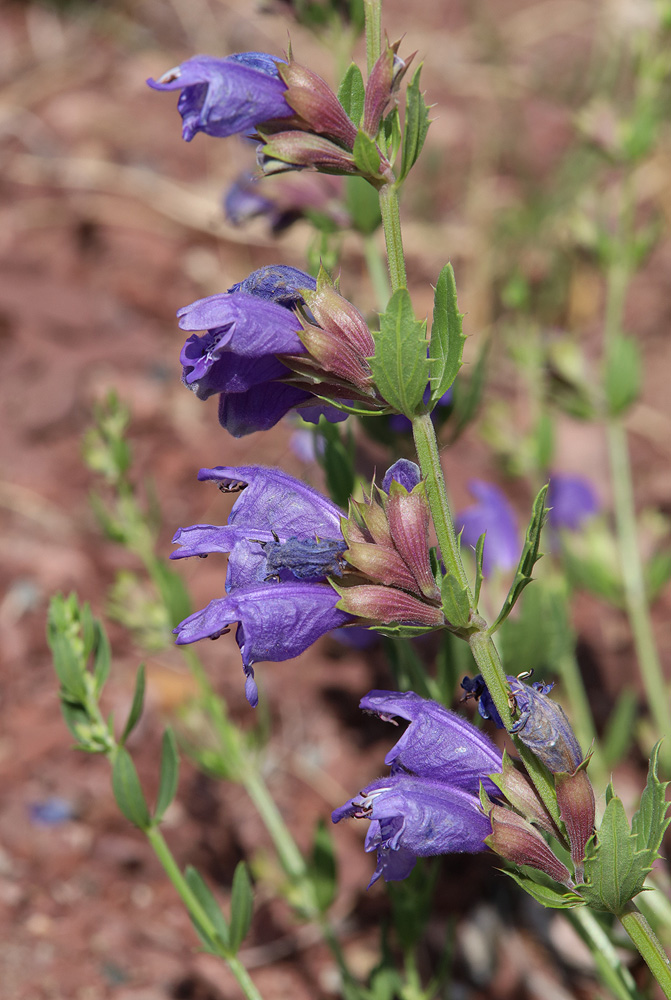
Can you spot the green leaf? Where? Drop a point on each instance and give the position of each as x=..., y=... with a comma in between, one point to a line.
x=528, y=559
x=136, y=706
x=128, y=791
x=88, y=628
x=392, y=134
x=415, y=127
x=323, y=868
x=650, y=822
x=456, y=603
x=77, y=720
x=619, y=859
x=242, y=906
x=551, y=897
x=102, y=659
x=447, y=339
x=167, y=787
x=212, y=911
x=622, y=377
x=351, y=93
x=68, y=666
x=366, y=155
x=400, y=365
x=479, y=552
x=363, y=205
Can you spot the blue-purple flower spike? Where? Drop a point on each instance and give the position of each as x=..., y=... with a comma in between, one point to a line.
x=224, y=97
x=413, y=817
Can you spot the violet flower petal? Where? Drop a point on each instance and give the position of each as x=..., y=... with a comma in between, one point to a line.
x=222, y=97
x=572, y=500
x=260, y=408
x=403, y=471
x=438, y=743
x=250, y=326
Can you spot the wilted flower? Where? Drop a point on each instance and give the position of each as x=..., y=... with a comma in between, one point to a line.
x=571, y=501
x=285, y=539
x=412, y=817
x=542, y=724
x=225, y=96
x=493, y=516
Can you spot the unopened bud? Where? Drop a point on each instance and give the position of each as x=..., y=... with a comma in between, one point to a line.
x=408, y=515
x=387, y=605
x=575, y=798
x=383, y=82
x=520, y=792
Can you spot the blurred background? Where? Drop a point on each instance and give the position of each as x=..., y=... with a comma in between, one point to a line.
x=109, y=223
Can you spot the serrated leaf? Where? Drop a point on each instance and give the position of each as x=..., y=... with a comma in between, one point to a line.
x=400, y=365
x=366, y=155
x=416, y=125
x=323, y=867
x=556, y=899
x=242, y=906
x=456, y=603
x=614, y=870
x=528, y=559
x=650, y=822
x=447, y=339
x=622, y=377
x=167, y=787
x=128, y=791
x=136, y=706
x=212, y=911
x=102, y=661
x=352, y=92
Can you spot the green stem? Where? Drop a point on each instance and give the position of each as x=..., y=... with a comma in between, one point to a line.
x=290, y=857
x=373, y=15
x=426, y=446
x=164, y=855
x=376, y=271
x=614, y=975
x=647, y=943
x=391, y=221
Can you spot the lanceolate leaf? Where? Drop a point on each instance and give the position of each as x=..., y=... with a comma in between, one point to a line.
x=169, y=775
x=211, y=908
x=136, y=706
x=128, y=791
x=242, y=904
x=351, y=93
x=447, y=339
x=416, y=125
x=548, y=894
x=366, y=155
x=528, y=559
x=400, y=365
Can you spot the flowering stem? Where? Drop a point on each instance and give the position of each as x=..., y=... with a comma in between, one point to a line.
x=376, y=271
x=391, y=221
x=647, y=943
x=171, y=868
x=373, y=15
x=426, y=446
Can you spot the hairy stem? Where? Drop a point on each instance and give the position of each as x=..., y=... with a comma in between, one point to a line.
x=647, y=943
x=373, y=15
x=391, y=222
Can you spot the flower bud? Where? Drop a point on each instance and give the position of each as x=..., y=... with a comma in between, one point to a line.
x=383, y=82
x=339, y=358
x=384, y=565
x=387, y=605
x=316, y=104
x=575, y=798
x=516, y=840
x=296, y=150
x=408, y=515
x=522, y=795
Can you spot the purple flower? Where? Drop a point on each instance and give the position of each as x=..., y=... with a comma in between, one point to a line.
x=438, y=744
x=247, y=327
x=571, y=500
x=403, y=471
x=491, y=515
x=542, y=724
x=284, y=539
x=243, y=201
x=225, y=96
x=413, y=817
